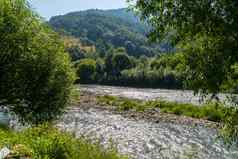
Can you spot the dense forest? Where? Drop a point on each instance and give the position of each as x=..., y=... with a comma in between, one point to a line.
x=109, y=28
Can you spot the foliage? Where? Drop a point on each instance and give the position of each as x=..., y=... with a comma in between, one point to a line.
x=230, y=131
x=121, y=62
x=76, y=48
x=206, y=32
x=163, y=72
x=86, y=69
x=36, y=74
x=117, y=68
x=210, y=111
x=103, y=29
x=232, y=83
x=45, y=142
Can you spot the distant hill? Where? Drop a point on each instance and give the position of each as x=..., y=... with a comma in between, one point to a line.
x=105, y=29
x=128, y=16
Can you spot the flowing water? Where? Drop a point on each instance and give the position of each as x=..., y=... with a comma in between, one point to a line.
x=142, y=139
x=146, y=140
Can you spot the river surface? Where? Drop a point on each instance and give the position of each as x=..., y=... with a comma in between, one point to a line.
x=146, y=140
x=181, y=96
x=142, y=139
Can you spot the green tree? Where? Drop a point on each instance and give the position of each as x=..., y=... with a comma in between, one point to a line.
x=36, y=76
x=120, y=62
x=206, y=32
x=86, y=70
x=76, y=53
x=108, y=64
x=100, y=70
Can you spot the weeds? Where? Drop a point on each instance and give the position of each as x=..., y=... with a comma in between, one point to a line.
x=46, y=142
x=212, y=111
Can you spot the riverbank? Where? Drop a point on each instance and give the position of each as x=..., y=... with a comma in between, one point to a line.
x=89, y=100
x=179, y=96
x=145, y=135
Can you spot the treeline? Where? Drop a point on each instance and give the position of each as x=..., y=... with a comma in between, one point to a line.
x=118, y=68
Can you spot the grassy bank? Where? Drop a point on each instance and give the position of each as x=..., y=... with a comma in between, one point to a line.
x=212, y=112
x=49, y=143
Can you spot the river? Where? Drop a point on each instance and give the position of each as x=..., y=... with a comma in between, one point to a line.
x=180, y=96
x=143, y=139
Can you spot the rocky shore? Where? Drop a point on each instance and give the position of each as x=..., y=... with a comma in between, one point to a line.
x=147, y=135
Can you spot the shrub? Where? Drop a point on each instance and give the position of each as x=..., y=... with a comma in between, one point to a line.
x=86, y=70
x=45, y=142
x=121, y=61
x=230, y=130
x=36, y=74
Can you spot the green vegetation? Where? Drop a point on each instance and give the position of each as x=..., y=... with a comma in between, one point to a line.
x=230, y=130
x=76, y=49
x=45, y=142
x=164, y=71
x=36, y=74
x=212, y=111
x=106, y=29
x=86, y=69
x=204, y=31
x=120, y=62
x=117, y=68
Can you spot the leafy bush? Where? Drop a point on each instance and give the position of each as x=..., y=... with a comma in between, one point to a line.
x=36, y=74
x=86, y=70
x=45, y=142
x=121, y=61
x=230, y=130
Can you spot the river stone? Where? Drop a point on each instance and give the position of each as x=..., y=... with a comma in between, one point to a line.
x=146, y=140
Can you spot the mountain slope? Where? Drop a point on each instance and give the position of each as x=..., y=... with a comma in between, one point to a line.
x=128, y=16
x=106, y=28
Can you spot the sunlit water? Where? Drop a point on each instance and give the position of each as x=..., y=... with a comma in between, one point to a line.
x=147, y=140
x=143, y=139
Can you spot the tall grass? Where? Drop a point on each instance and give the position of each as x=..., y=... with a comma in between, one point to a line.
x=212, y=111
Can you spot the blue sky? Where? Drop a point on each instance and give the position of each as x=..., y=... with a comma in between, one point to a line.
x=48, y=8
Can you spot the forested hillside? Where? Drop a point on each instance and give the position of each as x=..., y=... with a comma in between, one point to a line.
x=106, y=29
